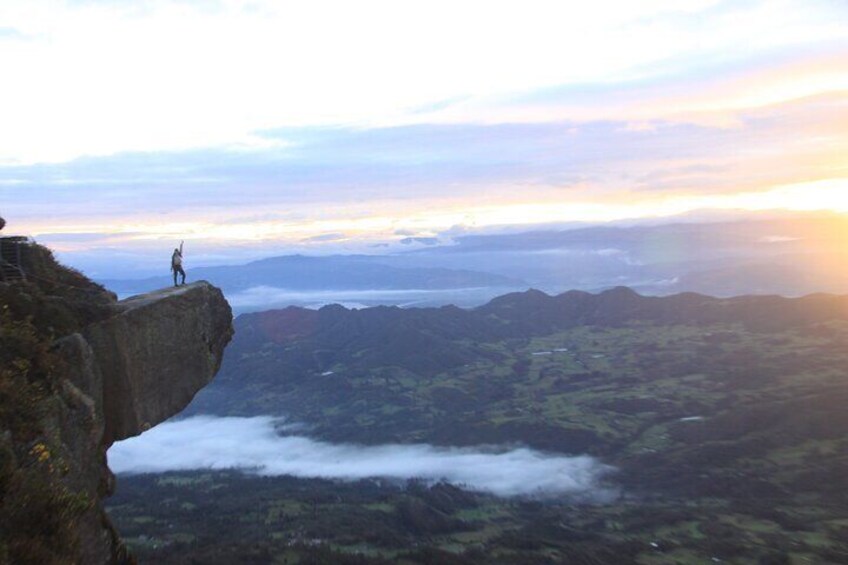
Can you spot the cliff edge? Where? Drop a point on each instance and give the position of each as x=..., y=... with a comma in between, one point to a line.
x=80, y=370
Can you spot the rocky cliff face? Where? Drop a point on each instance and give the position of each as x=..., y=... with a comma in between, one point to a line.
x=120, y=368
x=154, y=355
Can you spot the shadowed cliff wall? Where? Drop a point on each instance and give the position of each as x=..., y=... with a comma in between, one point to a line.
x=78, y=371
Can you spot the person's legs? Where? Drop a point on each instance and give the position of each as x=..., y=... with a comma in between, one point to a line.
x=175, y=276
x=182, y=272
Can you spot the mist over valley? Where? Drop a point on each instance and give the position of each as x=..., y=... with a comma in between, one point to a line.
x=265, y=446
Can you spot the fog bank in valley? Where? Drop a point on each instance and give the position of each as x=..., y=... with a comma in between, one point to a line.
x=261, y=445
x=263, y=297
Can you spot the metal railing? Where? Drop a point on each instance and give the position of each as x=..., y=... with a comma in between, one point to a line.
x=11, y=249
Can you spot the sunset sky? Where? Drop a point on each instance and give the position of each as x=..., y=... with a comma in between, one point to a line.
x=267, y=127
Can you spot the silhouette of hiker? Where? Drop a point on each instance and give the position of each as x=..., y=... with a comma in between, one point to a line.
x=177, y=264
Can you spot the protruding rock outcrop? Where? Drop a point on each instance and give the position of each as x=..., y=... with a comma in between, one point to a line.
x=134, y=370
x=156, y=354
x=121, y=367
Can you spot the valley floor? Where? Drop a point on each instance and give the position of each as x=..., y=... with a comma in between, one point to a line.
x=730, y=444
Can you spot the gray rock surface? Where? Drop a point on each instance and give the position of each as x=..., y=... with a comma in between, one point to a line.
x=156, y=353
x=119, y=368
x=125, y=374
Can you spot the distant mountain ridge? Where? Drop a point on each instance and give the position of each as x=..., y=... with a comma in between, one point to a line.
x=791, y=256
x=622, y=304
x=276, y=349
x=336, y=272
x=534, y=312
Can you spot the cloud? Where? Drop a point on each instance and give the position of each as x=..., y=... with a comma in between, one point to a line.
x=326, y=237
x=709, y=91
x=471, y=131
x=420, y=240
x=172, y=95
x=264, y=297
x=255, y=446
x=349, y=170
x=10, y=33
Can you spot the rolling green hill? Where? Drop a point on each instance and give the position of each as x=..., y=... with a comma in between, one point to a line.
x=725, y=419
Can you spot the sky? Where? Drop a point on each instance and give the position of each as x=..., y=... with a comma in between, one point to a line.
x=256, y=128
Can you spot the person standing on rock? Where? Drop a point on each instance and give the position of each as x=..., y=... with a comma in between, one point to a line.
x=177, y=264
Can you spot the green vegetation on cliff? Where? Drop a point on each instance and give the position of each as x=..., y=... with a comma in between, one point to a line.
x=40, y=503
x=79, y=370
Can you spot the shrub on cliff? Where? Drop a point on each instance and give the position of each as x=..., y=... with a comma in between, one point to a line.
x=38, y=510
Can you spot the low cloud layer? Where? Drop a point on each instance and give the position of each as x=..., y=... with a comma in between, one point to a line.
x=264, y=297
x=256, y=446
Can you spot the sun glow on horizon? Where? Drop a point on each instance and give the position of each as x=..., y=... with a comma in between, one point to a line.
x=830, y=195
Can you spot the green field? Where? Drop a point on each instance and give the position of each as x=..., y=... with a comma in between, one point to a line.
x=731, y=445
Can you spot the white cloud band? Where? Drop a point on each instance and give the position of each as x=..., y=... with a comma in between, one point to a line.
x=253, y=445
